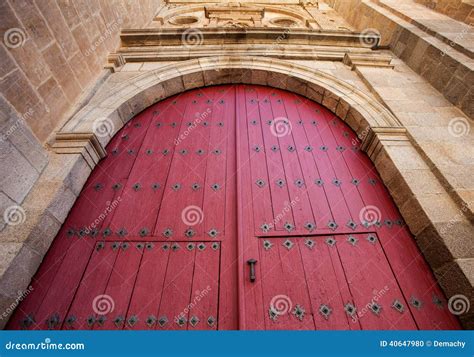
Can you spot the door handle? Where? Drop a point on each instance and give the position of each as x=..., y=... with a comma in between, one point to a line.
x=251, y=263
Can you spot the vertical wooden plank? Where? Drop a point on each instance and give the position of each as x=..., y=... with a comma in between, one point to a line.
x=177, y=288
x=89, y=298
x=147, y=293
x=203, y=311
x=327, y=285
x=120, y=285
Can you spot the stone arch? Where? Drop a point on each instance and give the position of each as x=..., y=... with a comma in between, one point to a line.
x=359, y=110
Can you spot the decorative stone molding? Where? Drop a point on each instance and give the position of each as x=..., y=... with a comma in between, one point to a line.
x=85, y=144
x=115, y=61
x=373, y=139
x=368, y=60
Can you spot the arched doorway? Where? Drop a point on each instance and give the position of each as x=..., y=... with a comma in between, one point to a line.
x=234, y=206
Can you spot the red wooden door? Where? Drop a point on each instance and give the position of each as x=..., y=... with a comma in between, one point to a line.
x=330, y=247
x=200, y=183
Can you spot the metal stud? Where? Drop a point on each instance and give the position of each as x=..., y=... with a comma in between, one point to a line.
x=98, y=186
x=201, y=246
x=299, y=122
x=299, y=183
x=340, y=148
x=291, y=148
x=331, y=241
x=100, y=246
x=209, y=101
x=309, y=243
x=190, y=246
x=355, y=182
x=193, y=321
x=351, y=224
x=372, y=239
x=345, y=134
x=272, y=313
x=416, y=302
x=299, y=312
x=397, y=305
x=437, y=301
x=176, y=187
x=352, y=240
x=332, y=225
x=388, y=223
x=221, y=101
x=200, y=152
x=215, y=186
x=221, y=124
x=398, y=222
x=205, y=123
x=372, y=181
x=125, y=137
x=216, y=152
x=130, y=151
x=310, y=226
x=325, y=310
x=122, y=232
x=270, y=122
x=323, y=148
x=140, y=246
x=168, y=232
x=149, y=246
x=212, y=233
x=132, y=320
x=265, y=227
x=183, y=152
x=136, y=187
x=266, y=100
x=289, y=227
x=144, y=232
x=71, y=320
x=308, y=148
x=215, y=246
x=165, y=246
x=375, y=308
x=253, y=101
x=53, y=321
x=280, y=182
x=116, y=186
x=195, y=186
x=319, y=182
x=115, y=245
x=314, y=122
x=253, y=122
x=211, y=320
x=260, y=183
x=150, y=320
x=165, y=152
x=125, y=245
x=336, y=182
x=275, y=148
x=90, y=321
x=189, y=233
x=118, y=321
x=162, y=321
x=194, y=101
x=70, y=232
x=267, y=245
x=349, y=309
x=257, y=148
x=288, y=244
x=158, y=125
x=155, y=186
x=115, y=152
x=175, y=247
x=101, y=320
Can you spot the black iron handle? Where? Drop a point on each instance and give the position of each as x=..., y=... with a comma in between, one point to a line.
x=251, y=263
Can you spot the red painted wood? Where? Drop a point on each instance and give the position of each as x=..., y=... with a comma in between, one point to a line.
x=230, y=139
